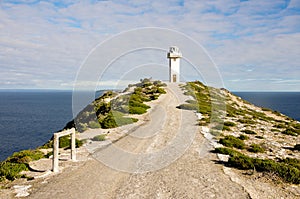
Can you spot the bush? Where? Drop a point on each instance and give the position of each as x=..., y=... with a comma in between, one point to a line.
x=227, y=151
x=241, y=162
x=189, y=107
x=226, y=128
x=94, y=125
x=231, y=141
x=243, y=137
x=11, y=170
x=287, y=169
x=115, y=119
x=25, y=156
x=281, y=126
x=228, y=123
x=246, y=121
x=101, y=137
x=290, y=131
x=259, y=137
x=255, y=148
x=137, y=110
x=247, y=131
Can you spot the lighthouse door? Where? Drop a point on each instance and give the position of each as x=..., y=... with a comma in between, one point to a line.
x=174, y=78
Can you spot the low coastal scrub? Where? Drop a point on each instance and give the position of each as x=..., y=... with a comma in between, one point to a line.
x=111, y=109
x=250, y=132
x=101, y=137
x=231, y=141
x=256, y=148
x=10, y=168
x=229, y=124
x=291, y=131
x=287, y=169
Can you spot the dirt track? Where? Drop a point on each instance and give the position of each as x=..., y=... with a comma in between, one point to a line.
x=194, y=175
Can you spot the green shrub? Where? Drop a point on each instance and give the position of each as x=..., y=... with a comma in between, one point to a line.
x=281, y=126
x=189, y=107
x=231, y=141
x=287, y=169
x=247, y=131
x=226, y=128
x=243, y=137
x=94, y=125
x=161, y=90
x=290, y=131
x=228, y=123
x=241, y=162
x=246, y=121
x=11, y=170
x=137, y=110
x=101, y=137
x=227, y=151
x=259, y=137
x=25, y=156
x=255, y=148
x=115, y=119
x=137, y=104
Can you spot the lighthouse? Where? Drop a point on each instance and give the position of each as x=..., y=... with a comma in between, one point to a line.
x=174, y=56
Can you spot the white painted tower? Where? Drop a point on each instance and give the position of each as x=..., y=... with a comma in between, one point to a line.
x=174, y=56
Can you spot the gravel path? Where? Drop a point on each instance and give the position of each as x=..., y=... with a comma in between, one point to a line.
x=155, y=156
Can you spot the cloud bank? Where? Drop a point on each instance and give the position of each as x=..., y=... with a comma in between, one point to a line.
x=255, y=44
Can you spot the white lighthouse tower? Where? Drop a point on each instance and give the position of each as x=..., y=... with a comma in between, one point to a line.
x=174, y=56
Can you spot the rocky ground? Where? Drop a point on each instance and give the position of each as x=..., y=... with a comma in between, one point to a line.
x=164, y=155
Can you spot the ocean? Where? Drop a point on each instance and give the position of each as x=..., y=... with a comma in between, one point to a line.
x=28, y=119
x=287, y=103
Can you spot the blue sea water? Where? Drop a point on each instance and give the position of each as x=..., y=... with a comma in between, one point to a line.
x=29, y=119
x=287, y=103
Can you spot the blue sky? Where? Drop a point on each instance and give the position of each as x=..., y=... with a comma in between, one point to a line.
x=255, y=44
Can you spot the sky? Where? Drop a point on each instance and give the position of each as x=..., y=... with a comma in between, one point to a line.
x=254, y=44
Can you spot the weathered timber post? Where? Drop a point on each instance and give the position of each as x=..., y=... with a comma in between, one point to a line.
x=73, y=145
x=55, y=152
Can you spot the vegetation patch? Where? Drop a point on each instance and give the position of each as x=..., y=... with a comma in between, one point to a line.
x=290, y=131
x=250, y=132
x=101, y=137
x=256, y=148
x=229, y=123
x=243, y=137
x=10, y=168
x=287, y=169
x=259, y=137
x=231, y=141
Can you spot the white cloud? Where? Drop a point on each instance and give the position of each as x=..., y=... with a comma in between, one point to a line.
x=45, y=43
